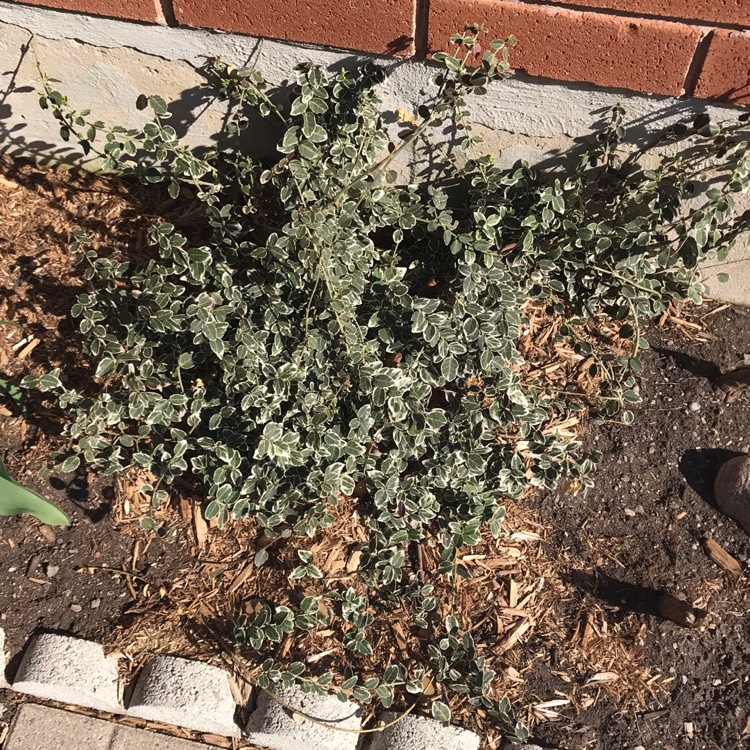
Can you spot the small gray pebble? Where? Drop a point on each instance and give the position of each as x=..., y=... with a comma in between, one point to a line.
x=694, y=406
x=96, y=603
x=75, y=608
x=52, y=570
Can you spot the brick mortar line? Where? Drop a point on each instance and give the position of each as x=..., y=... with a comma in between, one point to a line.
x=421, y=29
x=630, y=15
x=697, y=63
x=167, y=11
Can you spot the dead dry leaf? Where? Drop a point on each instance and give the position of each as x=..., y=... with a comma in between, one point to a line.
x=200, y=527
x=603, y=677
x=354, y=559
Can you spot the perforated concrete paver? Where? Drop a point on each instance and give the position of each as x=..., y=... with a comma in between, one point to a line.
x=273, y=726
x=69, y=670
x=420, y=733
x=43, y=728
x=185, y=693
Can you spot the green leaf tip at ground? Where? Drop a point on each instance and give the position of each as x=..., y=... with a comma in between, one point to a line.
x=8, y=386
x=15, y=500
x=13, y=392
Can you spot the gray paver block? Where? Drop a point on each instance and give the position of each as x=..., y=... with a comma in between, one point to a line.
x=69, y=670
x=421, y=733
x=185, y=693
x=129, y=738
x=273, y=726
x=43, y=728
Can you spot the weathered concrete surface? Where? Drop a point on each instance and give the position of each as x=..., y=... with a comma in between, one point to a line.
x=104, y=64
x=737, y=288
x=185, y=693
x=420, y=733
x=69, y=670
x=105, y=80
x=130, y=738
x=42, y=728
x=273, y=726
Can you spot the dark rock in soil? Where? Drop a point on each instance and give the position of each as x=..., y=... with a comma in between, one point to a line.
x=732, y=490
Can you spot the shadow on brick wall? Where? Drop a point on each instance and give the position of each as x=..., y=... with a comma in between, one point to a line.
x=13, y=139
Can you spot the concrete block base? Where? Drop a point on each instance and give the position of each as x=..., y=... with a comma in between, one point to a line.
x=185, y=693
x=69, y=670
x=273, y=726
x=421, y=733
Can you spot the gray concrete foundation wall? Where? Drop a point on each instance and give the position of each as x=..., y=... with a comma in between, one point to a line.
x=104, y=64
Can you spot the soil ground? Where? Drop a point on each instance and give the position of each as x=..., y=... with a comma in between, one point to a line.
x=652, y=508
x=643, y=524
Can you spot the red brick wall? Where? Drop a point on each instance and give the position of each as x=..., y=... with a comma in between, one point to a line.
x=691, y=47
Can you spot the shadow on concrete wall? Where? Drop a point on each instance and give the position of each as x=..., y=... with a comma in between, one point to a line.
x=13, y=141
x=259, y=140
x=430, y=162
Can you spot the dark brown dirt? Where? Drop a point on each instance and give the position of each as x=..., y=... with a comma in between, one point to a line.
x=651, y=510
x=46, y=581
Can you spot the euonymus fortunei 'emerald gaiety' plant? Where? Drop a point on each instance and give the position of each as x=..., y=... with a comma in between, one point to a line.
x=341, y=335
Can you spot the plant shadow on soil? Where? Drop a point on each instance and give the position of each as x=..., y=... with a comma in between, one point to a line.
x=626, y=597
